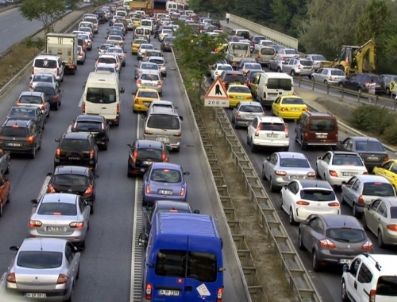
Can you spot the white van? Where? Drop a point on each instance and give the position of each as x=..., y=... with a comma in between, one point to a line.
x=147, y=23
x=102, y=96
x=268, y=86
x=141, y=32
x=49, y=64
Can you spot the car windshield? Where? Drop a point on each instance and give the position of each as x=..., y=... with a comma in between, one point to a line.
x=156, y=61
x=294, y=163
x=87, y=126
x=45, y=63
x=238, y=78
x=70, y=180
x=239, y=89
x=267, y=51
x=150, y=66
x=150, y=77
x=290, y=52
x=271, y=126
x=57, y=209
x=149, y=153
x=195, y=265
x=322, y=124
x=107, y=60
x=42, y=78
x=306, y=62
x=387, y=286
x=378, y=189
x=22, y=112
x=367, y=145
x=250, y=108
x=101, y=95
x=318, y=195
x=346, y=235
x=39, y=259
x=71, y=144
x=14, y=131
x=166, y=175
x=253, y=66
x=163, y=121
x=318, y=58
x=347, y=160
x=148, y=94
x=292, y=101
x=224, y=67
x=285, y=84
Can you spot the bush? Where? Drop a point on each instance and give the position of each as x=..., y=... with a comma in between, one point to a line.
x=390, y=134
x=373, y=119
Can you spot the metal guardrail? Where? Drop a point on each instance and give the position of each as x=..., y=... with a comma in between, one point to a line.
x=268, y=218
x=267, y=32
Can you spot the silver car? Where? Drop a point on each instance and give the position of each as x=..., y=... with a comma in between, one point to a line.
x=380, y=217
x=60, y=215
x=43, y=77
x=328, y=76
x=146, y=67
x=297, y=66
x=317, y=60
x=282, y=167
x=245, y=112
x=160, y=62
x=361, y=190
x=44, y=269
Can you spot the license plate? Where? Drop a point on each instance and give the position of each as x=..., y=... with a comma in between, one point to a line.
x=147, y=163
x=169, y=292
x=344, y=261
x=321, y=135
x=14, y=144
x=372, y=158
x=73, y=158
x=162, y=139
x=56, y=229
x=348, y=173
x=36, y=295
x=272, y=135
x=165, y=192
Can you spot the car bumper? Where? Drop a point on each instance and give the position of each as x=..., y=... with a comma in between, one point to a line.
x=242, y=123
x=76, y=236
x=53, y=293
x=270, y=143
x=85, y=163
x=291, y=115
x=18, y=150
x=284, y=180
x=151, y=198
x=337, y=181
x=302, y=213
x=325, y=256
x=140, y=107
x=319, y=143
x=389, y=237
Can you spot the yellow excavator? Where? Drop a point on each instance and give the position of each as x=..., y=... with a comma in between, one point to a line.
x=355, y=59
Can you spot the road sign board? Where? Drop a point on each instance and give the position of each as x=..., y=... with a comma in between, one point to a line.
x=216, y=95
x=210, y=102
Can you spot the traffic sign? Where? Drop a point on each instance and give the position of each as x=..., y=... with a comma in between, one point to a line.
x=216, y=95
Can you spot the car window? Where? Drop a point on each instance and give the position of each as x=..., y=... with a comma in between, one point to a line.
x=267, y=126
x=364, y=275
x=356, y=185
x=75, y=144
x=30, y=99
x=147, y=94
x=273, y=159
x=239, y=89
x=14, y=131
x=250, y=108
x=163, y=121
x=45, y=63
x=57, y=209
x=69, y=252
x=294, y=163
x=149, y=153
x=318, y=124
x=318, y=195
x=375, y=204
x=166, y=175
x=70, y=180
x=368, y=145
x=39, y=259
x=346, y=235
x=382, y=210
x=88, y=126
x=387, y=286
x=101, y=95
x=293, y=187
x=327, y=158
x=347, y=159
x=354, y=266
x=378, y=189
x=317, y=225
x=293, y=101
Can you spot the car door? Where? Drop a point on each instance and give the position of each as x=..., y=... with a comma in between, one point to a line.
x=371, y=215
x=347, y=145
x=276, y=106
x=73, y=260
x=288, y=195
x=347, y=191
x=351, y=276
x=4, y=190
x=314, y=232
x=322, y=165
x=363, y=283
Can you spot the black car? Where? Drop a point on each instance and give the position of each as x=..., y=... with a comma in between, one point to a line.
x=75, y=180
x=28, y=113
x=76, y=148
x=231, y=76
x=370, y=149
x=20, y=136
x=143, y=153
x=94, y=124
x=167, y=43
x=52, y=94
x=359, y=82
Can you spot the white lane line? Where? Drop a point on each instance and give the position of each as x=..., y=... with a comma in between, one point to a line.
x=43, y=189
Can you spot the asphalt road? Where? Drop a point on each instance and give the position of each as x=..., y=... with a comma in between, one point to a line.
x=14, y=27
x=106, y=262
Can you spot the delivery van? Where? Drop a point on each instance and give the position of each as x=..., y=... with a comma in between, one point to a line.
x=101, y=96
x=183, y=259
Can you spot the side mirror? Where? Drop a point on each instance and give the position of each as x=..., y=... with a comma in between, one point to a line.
x=344, y=182
x=14, y=248
x=34, y=201
x=319, y=157
x=181, y=118
x=345, y=267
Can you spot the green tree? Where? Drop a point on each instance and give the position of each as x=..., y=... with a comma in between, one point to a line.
x=46, y=11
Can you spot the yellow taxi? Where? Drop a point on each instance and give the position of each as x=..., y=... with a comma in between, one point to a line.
x=238, y=93
x=389, y=171
x=289, y=107
x=143, y=98
x=136, y=43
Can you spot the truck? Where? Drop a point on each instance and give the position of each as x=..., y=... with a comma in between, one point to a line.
x=64, y=46
x=150, y=7
x=237, y=51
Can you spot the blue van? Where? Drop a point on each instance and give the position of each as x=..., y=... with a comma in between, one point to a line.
x=183, y=259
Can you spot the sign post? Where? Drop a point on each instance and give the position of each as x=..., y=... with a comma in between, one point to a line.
x=216, y=95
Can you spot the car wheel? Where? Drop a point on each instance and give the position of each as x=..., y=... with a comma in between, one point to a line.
x=315, y=262
x=343, y=293
x=263, y=175
x=248, y=140
x=381, y=243
x=273, y=188
x=92, y=209
x=291, y=218
x=300, y=241
x=1, y=209
x=33, y=153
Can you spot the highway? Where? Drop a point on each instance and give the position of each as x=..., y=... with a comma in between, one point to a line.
x=14, y=28
x=106, y=263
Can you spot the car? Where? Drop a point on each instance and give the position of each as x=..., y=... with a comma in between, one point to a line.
x=49, y=64
x=85, y=39
x=150, y=80
x=389, y=82
x=52, y=95
x=136, y=43
x=361, y=190
x=5, y=189
x=238, y=93
x=337, y=167
x=96, y=125
x=298, y=66
x=231, y=76
x=143, y=98
x=56, y=259
x=80, y=55
x=370, y=149
x=167, y=43
x=34, y=99
x=60, y=215
x=369, y=277
x=289, y=107
x=359, y=81
x=380, y=217
x=267, y=131
x=281, y=167
x=317, y=60
x=160, y=62
x=165, y=181
x=142, y=49
x=76, y=180
x=152, y=53
x=146, y=67
x=116, y=40
x=164, y=33
x=118, y=51
x=249, y=81
x=328, y=76
x=28, y=113
x=389, y=171
x=302, y=198
x=162, y=104
x=143, y=153
x=76, y=148
x=332, y=238
x=245, y=112
x=110, y=60
x=106, y=68
x=43, y=77
x=4, y=162
x=250, y=66
x=20, y=136
x=218, y=68
x=103, y=48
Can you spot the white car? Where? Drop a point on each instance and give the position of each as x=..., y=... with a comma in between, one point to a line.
x=160, y=62
x=301, y=198
x=328, y=75
x=109, y=59
x=118, y=51
x=268, y=131
x=162, y=104
x=338, y=166
x=43, y=77
x=218, y=69
x=142, y=49
x=150, y=80
x=165, y=32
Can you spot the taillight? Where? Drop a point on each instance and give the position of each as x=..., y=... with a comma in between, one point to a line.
x=361, y=200
x=62, y=279
x=219, y=295
x=83, y=107
x=280, y=173
x=372, y=295
x=118, y=108
x=58, y=152
x=50, y=189
x=327, y=244
x=333, y=173
x=89, y=190
x=182, y=192
x=367, y=246
x=311, y=174
x=11, y=278
x=286, y=130
x=257, y=131
x=92, y=154
x=392, y=227
x=148, y=190
x=58, y=71
x=30, y=139
x=303, y=203
x=164, y=156
x=138, y=82
x=148, y=292
x=77, y=224
x=34, y=224
x=134, y=155
x=334, y=204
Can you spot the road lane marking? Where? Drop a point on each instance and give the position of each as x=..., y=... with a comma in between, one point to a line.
x=43, y=189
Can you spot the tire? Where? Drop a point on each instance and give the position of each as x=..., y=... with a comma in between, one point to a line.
x=92, y=210
x=263, y=176
x=33, y=153
x=381, y=243
x=1, y=209
x=300, y=242
x=273, y=188
x=253, y=147
x=291, y=218
x=343, y=292
x=315, y=262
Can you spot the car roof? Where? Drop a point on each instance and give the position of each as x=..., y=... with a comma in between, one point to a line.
x=32, y=93
x=145, y=143
x=10, y=122
x=80, y=170
x=237, y=85
x=372, y=178
x=162, y=111
x=48, y=57
x=43, y=244
x=76, y=135
x=169, y=204
x=90, y=117
x=155, y=58
x=270, y=119
x=163, y=165
x=44, y=84
x=340, y=221
x=363, y=138
x=59, y=197
x=314, y=183
x=291, y=155
x=162, y=102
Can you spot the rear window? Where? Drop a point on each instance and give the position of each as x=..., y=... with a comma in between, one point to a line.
x=294, y=163
x=150, y=77
x=49, y=91
x=107, y=60
x=156, y=61
x=70, y=180
x=150, y=66
x=378, y=189
x=369, y=146
x=317, y=124
x=149, y=153
x=239, y=89
x=45, y=63
x=30, y=99
x=285, y=84
x=337, y=72
x=75, y=145
x=293, y=101
x=306, y=62
x=347, y=159
x=88, y=126
x=23, y=112
x=163, y=121
x=239, y=78
x=253, y=66
x=291, y=52
x=224, y=67
x=318, y=58
x=318, y=195
x=42, y=78
x=387, y=286
x=272, y=126
x=250, y=108
x=14, y=131
x=148, y=94
x=346, y=235
x=57, y=208
x=268, y=51
x=39, y=259
x=166, y=175
x=101, y=95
